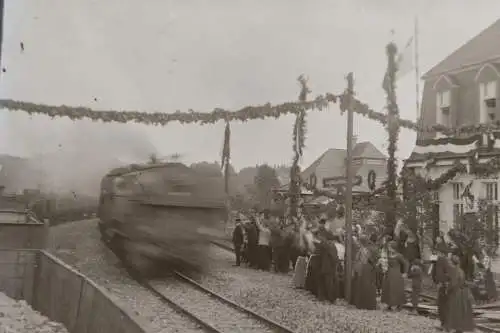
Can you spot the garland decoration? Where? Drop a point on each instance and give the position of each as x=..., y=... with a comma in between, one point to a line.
x=456, y=169
x=393, y=126
x=226, y=156
x=299, y=135
x=159, y=118
x=487, y=169
x=372, y=177
x=245, y=114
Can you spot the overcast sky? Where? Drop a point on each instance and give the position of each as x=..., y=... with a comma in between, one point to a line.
x=167, y=55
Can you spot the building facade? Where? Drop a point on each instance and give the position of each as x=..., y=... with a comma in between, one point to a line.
x=463, y=91
x=328, y=172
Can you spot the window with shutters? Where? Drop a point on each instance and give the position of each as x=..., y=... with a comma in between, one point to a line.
x=491, y=195
x=491, y=191
x=458, y=202
x=488, y=101
x=444, y=108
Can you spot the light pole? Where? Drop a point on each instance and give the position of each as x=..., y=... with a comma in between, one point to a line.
x=348, y=193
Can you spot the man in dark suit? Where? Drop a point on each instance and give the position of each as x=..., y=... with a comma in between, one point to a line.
x=238, y=238
x=252, y=242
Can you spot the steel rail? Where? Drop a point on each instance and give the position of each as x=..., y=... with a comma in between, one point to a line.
x=136, y=275
x=269, y=322
x=180, y=309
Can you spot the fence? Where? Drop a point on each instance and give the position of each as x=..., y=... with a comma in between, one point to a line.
x=62, y=294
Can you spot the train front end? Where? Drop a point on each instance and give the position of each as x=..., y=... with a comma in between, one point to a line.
x=161, y=216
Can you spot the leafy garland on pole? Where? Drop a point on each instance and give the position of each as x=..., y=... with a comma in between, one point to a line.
x=226, y=157
x=299, y=133
x=393, y=126
x=225, y=163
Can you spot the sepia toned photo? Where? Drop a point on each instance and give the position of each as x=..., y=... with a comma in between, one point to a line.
x=276, y=166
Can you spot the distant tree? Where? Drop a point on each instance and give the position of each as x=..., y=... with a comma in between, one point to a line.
x=153, y=159
x=265, y=180
x=212, y=168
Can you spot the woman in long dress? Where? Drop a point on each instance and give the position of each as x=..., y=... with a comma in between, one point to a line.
x=491, y=287
x=306, y=245
x=393, y=289
x=382, y=266
x=460, y=317
x=365, y=296
x=313, y=268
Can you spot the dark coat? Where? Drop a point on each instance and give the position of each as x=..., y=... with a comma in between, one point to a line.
x=252, y=234
x=238, y=235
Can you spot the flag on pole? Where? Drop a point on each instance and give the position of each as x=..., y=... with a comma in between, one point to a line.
x=405, y=59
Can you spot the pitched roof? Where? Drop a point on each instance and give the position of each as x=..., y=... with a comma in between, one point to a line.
x=332, y=154
x=333, y=159
x=367, y=150
x=481, y=48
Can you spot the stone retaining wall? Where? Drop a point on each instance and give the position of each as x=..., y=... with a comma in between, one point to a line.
x=62, y=294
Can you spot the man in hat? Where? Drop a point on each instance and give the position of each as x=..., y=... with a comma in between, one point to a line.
x=238, y=238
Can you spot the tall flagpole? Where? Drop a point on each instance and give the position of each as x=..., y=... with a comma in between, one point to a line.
x=417, y=75
x=2, y=21
x=419, y=119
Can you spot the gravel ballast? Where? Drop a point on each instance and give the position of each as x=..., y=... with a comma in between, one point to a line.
x=78, y=244
x=271, y=295
x=218, y=314
x=268, y=294
x=19, y=317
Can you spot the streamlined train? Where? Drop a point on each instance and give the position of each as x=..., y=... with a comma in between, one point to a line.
x=161, y=216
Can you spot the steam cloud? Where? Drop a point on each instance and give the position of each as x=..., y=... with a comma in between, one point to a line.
x=72, y=157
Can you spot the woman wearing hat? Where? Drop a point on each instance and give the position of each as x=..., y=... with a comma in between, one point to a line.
x=393, y=289
x=365, y=295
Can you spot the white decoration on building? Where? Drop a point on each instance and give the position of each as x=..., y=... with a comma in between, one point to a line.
x=449, y=147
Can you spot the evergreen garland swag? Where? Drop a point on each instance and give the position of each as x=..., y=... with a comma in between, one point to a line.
x=226, y=156
x=299, y=134
x=393, y=126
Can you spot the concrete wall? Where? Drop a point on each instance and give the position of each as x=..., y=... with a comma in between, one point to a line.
x=17, y=270
x=62, y=294
x=22, y=236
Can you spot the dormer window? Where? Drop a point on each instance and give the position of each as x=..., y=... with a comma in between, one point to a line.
x=443, y=112
x=488, y=101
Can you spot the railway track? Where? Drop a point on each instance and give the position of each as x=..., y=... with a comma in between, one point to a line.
x=226, y=245
x=210, y=311
x=213, y=311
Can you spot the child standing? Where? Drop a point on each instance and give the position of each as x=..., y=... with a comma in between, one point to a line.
x=416, y=275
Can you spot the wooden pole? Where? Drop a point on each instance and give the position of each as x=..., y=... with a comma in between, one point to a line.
x=348, y=194
x=393, y=131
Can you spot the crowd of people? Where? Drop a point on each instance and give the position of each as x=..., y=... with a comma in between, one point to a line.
x=314, y=248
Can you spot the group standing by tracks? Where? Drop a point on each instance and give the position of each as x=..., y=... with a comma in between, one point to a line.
x=381, y=265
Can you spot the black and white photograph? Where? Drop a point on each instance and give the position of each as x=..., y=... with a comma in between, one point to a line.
x=249, y=166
